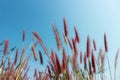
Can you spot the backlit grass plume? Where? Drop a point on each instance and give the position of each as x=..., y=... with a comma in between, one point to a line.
x=68, y=62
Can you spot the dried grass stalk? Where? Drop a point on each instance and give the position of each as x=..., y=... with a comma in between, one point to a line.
x=16, y=57
x=74, y=46
x=94, y=45
x=6, y=47
x=41, y=58
x=65, y=39
x=34, y=52
x=65, y=27
x=90, y=68
x=41, y=42
x=57, y=37
x=49, y=71
x=64, y=60
x=105, y=42
x=88, y=46
x=85, y=61
x=93, y=62
x=22, y=55
x=24, y=35
x=59, y=67
x=70, y=44
x=77, y=38
x=81, y=57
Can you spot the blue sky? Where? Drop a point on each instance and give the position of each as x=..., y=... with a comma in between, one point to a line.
x=93, y=17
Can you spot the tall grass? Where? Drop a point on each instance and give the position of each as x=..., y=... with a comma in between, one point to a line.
x=73, y=65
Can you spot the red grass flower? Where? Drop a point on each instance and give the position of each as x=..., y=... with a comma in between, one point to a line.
x=34, y=53
x=90, y=68
x=105, y=42
x=94, y=44
x=22, y=55
x=88, y=46
x=65, y=27
x=74, y=46
x=64, y=60
x=57, y=36
x=93, y=62
x=41, y=42
x=24, y=35
x=70, y=44
x=16, y=57
x=6, y=46
x=77, y=38
x=85, y=63
x=81, y=57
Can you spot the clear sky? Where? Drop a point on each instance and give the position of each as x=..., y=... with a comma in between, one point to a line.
x=93, y=17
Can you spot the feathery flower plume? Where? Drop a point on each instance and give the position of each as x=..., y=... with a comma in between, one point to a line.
x=41, y=42
x=65, y=27
x=58, y=64
x=36, y=75
x=24, y=35
x=90, y=68
x=88, y=46
x=65, y=39
x=34, y=52
x=22, y=55
x=57, y=36
x=41, y=58
x=101, y=58
x=94, y=45
x=81, y=57
x=49, y=71
x=16, y=57
x=54, y=66
x=105, y=42
x=70, y=44
x=64, y=60
x=75, y=55
x=6, y=46
x=77, y=38
x=85, y=61
x=93, y=62
x=74, y=46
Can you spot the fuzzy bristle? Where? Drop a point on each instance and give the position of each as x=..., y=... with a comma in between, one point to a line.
x=57, y=37
x=34, y=52
x=41, y=42
x=93, y=62
x=105, y=42
x=81, y=57
x=16, y=57
x=64, y=60
x=85, y=61
x=94, y=45
x=6, y=46
x=41, y=58
x=88, y=46
x=24, y=36
x=65, y=27
x=77, y=38
x=70, y=44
